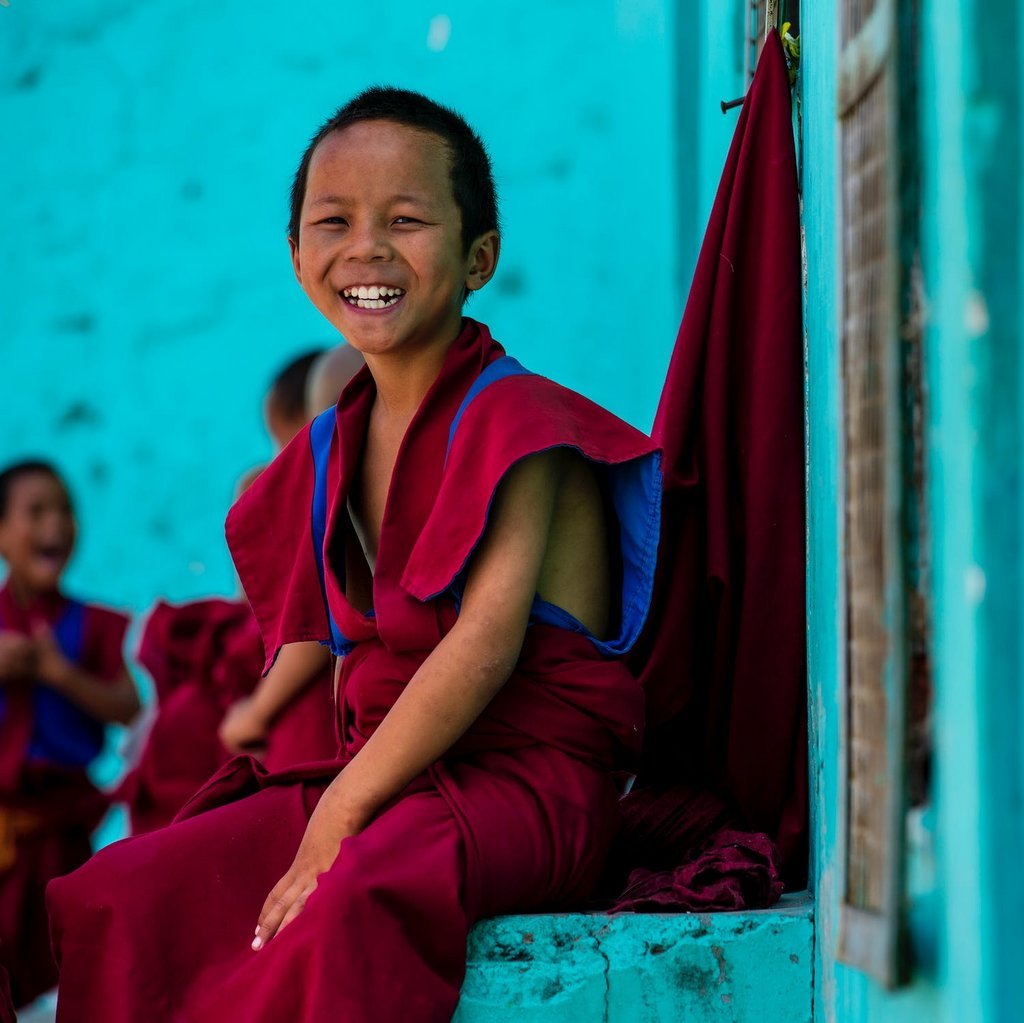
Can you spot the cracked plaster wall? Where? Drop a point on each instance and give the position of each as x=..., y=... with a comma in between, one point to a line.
x=689, y=968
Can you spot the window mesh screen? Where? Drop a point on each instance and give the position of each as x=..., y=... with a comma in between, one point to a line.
x=868, y=366
x=886, y=534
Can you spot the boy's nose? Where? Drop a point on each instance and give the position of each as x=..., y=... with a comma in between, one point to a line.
x=366, y=244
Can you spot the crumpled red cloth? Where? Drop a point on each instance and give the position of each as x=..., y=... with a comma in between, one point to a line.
x=683, y=849
x=736, y=870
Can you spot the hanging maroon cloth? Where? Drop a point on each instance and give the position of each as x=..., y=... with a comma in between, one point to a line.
x=724, y=661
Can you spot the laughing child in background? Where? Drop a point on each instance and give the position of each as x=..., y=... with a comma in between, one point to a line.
x=62, y=678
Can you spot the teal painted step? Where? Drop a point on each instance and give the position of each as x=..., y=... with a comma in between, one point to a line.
x=706, y=967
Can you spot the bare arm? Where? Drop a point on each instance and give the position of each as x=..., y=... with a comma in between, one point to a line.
x=247, y=722
x=449, y=691
x=114, y=701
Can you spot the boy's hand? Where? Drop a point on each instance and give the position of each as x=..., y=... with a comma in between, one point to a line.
x=52, y=667
x=244, y=727
x=317, y=853
x=18, y=659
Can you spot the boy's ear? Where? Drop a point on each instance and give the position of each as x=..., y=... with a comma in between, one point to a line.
x=293, y=248
x=483, y=260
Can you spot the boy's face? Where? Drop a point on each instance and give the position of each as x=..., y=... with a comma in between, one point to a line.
x=379, y=220
x=37, y=532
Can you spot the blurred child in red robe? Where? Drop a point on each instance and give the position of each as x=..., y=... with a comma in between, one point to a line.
x=205, y=657
x=62, y=677
x=288, y=718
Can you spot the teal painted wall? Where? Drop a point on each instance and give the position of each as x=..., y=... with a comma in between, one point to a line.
x=965, y=889
x=147, y=293
x=973, y=135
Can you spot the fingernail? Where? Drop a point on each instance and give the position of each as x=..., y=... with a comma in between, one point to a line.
x=257, y=944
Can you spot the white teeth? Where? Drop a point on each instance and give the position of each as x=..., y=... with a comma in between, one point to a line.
x=371, y=291
x=373, y=296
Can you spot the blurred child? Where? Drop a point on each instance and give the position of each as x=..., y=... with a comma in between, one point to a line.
x=62, y=677
x=202, y=656
x=205, y=659
x=284, y=408
x=329, y=375
x=289, y=718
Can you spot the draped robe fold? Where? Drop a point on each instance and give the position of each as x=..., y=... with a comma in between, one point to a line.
x=517, y=816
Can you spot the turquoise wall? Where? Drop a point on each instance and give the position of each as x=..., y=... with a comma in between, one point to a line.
x=147, y=292
x=975, y=239
x=965, y=891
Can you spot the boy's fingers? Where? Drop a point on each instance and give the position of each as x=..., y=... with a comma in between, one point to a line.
x=293, y=911
x=274, y=909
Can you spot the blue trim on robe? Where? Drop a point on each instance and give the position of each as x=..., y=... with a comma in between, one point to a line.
x=321, y=432
x=63, y=733
x=506, y=366
x=635, y=489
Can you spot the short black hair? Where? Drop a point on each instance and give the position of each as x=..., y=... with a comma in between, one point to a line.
x=471, y=174
x=19, y=470
x=288, y=390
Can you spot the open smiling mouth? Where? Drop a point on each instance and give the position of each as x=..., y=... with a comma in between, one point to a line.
x=52, y=554
x=372, y=296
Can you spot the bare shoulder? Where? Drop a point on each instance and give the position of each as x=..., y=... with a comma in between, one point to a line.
x=576, y=570
x=548, y=535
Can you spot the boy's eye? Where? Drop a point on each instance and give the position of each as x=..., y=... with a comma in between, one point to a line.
x=407, y=220
x=333, y=220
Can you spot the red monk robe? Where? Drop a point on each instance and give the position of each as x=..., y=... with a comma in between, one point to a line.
x=48, y=805
x=203, y=656
x=304, y=730
x=517, y=817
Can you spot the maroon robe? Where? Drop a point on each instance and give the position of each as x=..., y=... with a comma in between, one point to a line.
x=7, y=1014
x=203, y=656
x=726, y=680
x=304, y=729
x=518, y=816
x=48, y=806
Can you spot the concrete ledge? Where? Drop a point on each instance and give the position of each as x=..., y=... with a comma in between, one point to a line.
x=706, y=967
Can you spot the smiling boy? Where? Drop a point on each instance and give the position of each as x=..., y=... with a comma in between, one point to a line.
x=62, y=677
x=479, y=543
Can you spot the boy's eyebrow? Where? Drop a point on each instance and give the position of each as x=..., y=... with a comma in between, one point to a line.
x=341, y=200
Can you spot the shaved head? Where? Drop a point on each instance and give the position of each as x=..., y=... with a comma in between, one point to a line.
x=329, y=375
